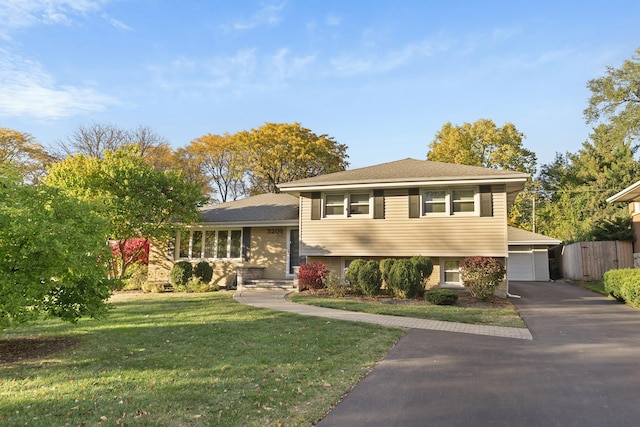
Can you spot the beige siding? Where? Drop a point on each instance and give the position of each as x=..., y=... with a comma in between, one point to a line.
x=269, y=250
x=398, y=235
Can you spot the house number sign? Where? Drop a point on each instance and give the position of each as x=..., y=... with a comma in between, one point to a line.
x=276, y=231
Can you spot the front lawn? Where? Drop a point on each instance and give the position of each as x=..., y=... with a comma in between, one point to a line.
x=496, y=311
x=185, y=359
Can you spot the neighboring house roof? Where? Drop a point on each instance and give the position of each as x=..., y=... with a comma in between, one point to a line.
x=403, y=172
x=518, y=237
x=629, y=194
x=262, y=209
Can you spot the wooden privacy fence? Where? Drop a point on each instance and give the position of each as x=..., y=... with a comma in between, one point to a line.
x=590, y=260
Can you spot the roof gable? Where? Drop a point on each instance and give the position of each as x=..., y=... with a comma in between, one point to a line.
x=261, y=208
x=517, y=236
x=405, y=171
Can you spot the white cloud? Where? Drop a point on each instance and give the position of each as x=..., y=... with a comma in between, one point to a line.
x=268, y=14
x=26, y=90
x=17, y=14
x=348, y=65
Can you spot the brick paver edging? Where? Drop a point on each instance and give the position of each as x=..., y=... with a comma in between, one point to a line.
x=276, y=300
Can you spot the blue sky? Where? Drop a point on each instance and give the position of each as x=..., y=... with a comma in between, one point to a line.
x=380, y=76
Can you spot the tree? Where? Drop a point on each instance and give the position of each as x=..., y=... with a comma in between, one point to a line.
x=484, y=144
x=96, y=138
x=53, y=253
x=576, y=186
x=615, y=98
x=282, y=152
x=137, y=200
x=21, y=150
x=221, y=161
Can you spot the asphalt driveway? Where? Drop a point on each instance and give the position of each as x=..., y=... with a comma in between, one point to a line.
x=582, y=368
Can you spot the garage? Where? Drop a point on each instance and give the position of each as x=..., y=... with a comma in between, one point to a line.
x=529, y=255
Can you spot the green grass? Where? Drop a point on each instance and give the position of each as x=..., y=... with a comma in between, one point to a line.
x=190, y=359
x=483, y=316
x=596, y=286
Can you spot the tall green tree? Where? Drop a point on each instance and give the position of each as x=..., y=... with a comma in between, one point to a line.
x=136, y=199
x=615, y=99
x=282, y=152
x=576, y=186
x=482, y=143
x=53, y=253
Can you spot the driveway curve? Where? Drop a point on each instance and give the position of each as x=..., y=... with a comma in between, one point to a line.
x=582, y=368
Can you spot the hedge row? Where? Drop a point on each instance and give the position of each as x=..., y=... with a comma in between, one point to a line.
x=624, y=285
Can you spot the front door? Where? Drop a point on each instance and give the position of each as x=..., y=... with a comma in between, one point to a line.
x=294, y=249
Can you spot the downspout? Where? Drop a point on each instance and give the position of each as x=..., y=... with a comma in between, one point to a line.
x=510, y=295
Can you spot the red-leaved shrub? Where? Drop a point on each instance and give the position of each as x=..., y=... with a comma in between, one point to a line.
x=312, y=275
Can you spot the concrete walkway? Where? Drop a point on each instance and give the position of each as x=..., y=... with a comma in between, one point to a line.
x=276, y=300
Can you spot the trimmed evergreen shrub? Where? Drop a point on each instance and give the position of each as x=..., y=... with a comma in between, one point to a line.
x=312, y=275
x=352, y=274
x=370, y=278
x=424, y=265
x=624, y=285
x=404, y=279
x=441, y=297
x=203, y=271
x=481, y=275
x=180, y=274
x=385, y=268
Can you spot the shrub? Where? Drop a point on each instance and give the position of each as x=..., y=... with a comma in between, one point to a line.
x=370, y=278
x=481, y=275
x=137, y=277
x=336, y=287
x=404, y=279
x=312, y=275
x=180, y=274
x=441, y=297
x=385, y=268
x=623, y=285
x=352, y=274
x=424, y=265
x=203, y=271
x=154, y=287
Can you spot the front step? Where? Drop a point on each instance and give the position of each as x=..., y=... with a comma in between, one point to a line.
x=267, y=285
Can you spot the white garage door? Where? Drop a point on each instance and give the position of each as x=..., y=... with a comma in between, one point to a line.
x=521, y=266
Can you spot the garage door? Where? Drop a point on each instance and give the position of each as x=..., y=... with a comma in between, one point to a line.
x=521, y=266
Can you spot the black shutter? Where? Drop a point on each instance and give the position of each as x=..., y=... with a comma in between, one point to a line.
x=486, y=201
x=414, y=203
x=378, y=204
x=246, y=243
x=316, y=206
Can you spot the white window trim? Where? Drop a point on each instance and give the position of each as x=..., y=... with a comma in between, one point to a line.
x=206, y=232
x=449, y=202
x=346, y=205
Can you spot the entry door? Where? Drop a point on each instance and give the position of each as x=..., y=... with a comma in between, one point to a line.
x=294, y=249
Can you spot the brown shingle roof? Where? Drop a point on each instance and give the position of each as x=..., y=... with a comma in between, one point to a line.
x=517, y=236
x=260, y=208
x=407, y=170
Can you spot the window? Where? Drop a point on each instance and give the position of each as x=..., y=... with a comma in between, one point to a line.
x=334, y=205
x=462, y=201
x=356, y=204
x=435, y=202
x=359, y=204
x=451, y=272
x=211, y=244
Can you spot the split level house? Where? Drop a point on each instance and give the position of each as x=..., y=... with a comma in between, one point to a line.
x=392, y=210
x=631, y=195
